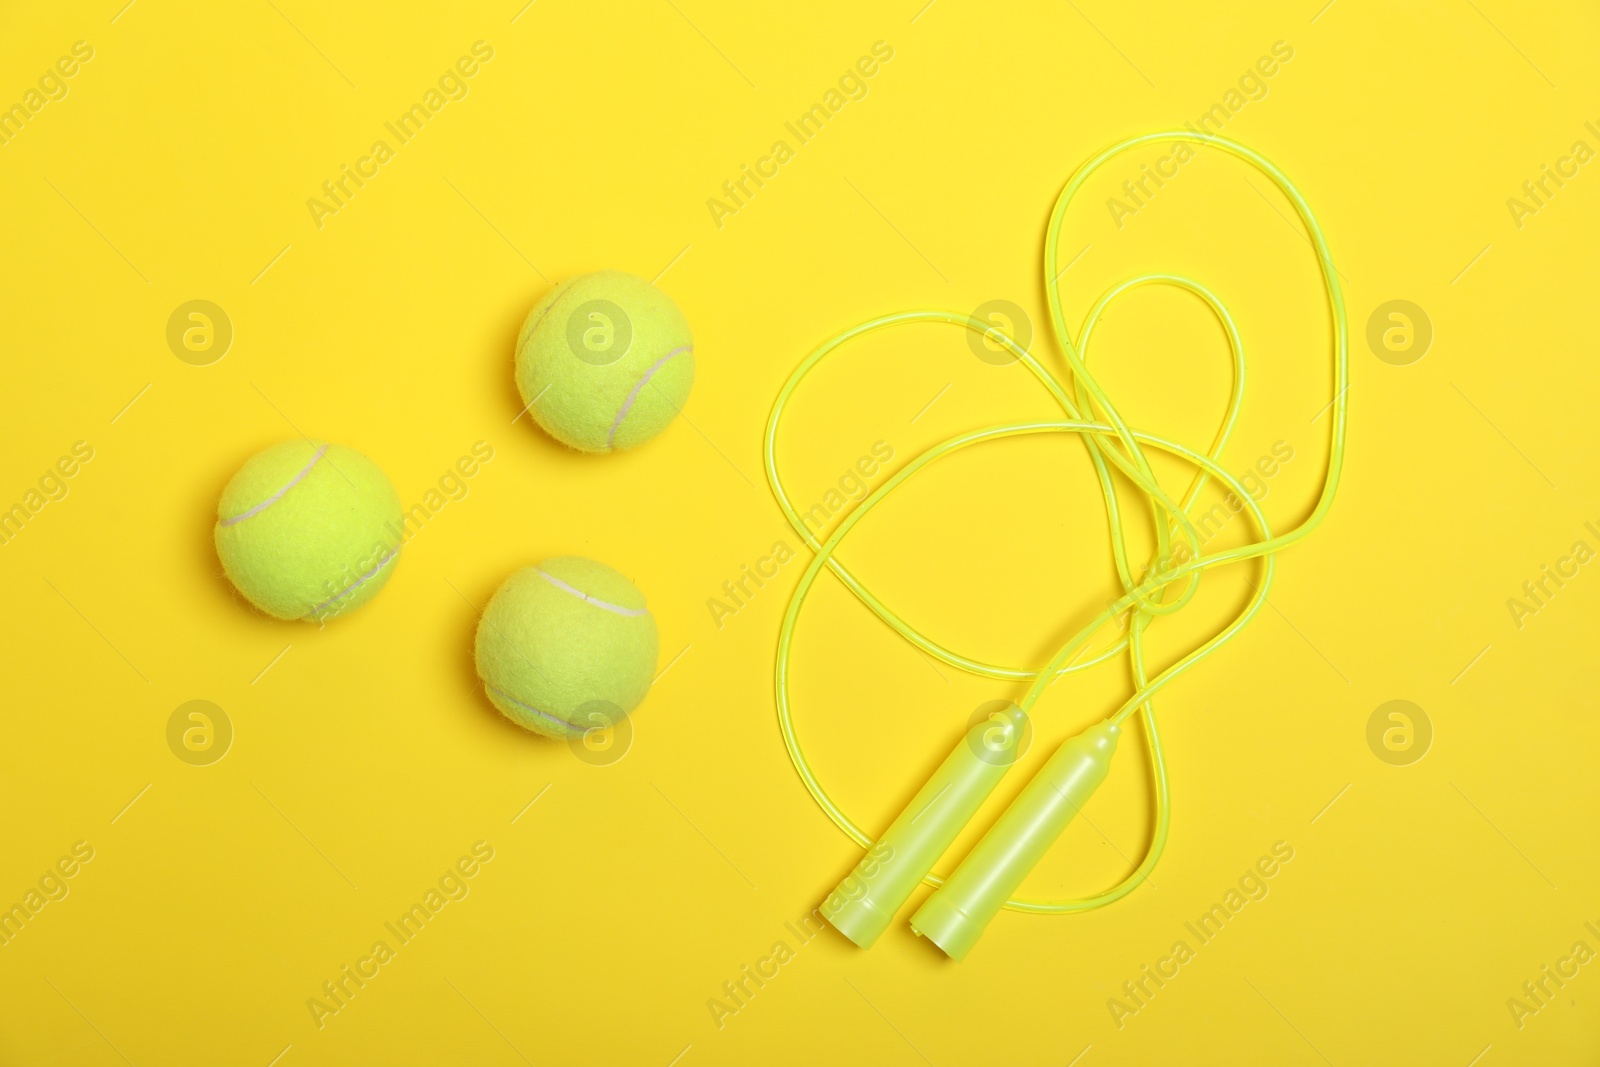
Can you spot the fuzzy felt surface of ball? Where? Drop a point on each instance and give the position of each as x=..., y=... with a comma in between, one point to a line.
x=605, y=361
x=566, y=646
x=308, y=530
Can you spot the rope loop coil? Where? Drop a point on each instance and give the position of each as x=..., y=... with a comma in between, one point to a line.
x=1170, y=579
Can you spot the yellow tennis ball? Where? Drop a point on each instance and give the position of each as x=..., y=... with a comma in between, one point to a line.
x=605, y=361
x=308, y=530
x=566, y=646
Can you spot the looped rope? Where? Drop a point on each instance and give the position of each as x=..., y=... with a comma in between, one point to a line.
x=1177, y=563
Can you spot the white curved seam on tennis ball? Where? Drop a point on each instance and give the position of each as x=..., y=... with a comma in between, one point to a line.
x=627, y=405
x=632, y=613
x=529, y=707
x=353, y=586
x=555, y=294
x=273, y=499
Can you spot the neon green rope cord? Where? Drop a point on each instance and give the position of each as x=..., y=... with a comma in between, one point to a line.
x=1177, y=561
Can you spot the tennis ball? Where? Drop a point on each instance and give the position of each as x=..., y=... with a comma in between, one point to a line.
x=604, y=361
x=566, y=646
x=307, y=530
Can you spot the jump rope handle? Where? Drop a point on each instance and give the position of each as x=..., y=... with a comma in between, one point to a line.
x=863, y=905
x=955, y=916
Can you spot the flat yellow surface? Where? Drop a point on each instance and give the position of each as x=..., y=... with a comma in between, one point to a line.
x=621, y=912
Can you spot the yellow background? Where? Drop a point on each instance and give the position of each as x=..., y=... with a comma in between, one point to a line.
x=366, y=760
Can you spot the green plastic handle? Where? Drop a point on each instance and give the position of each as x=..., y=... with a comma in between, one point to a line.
x=863, y=905
x=955, y=916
